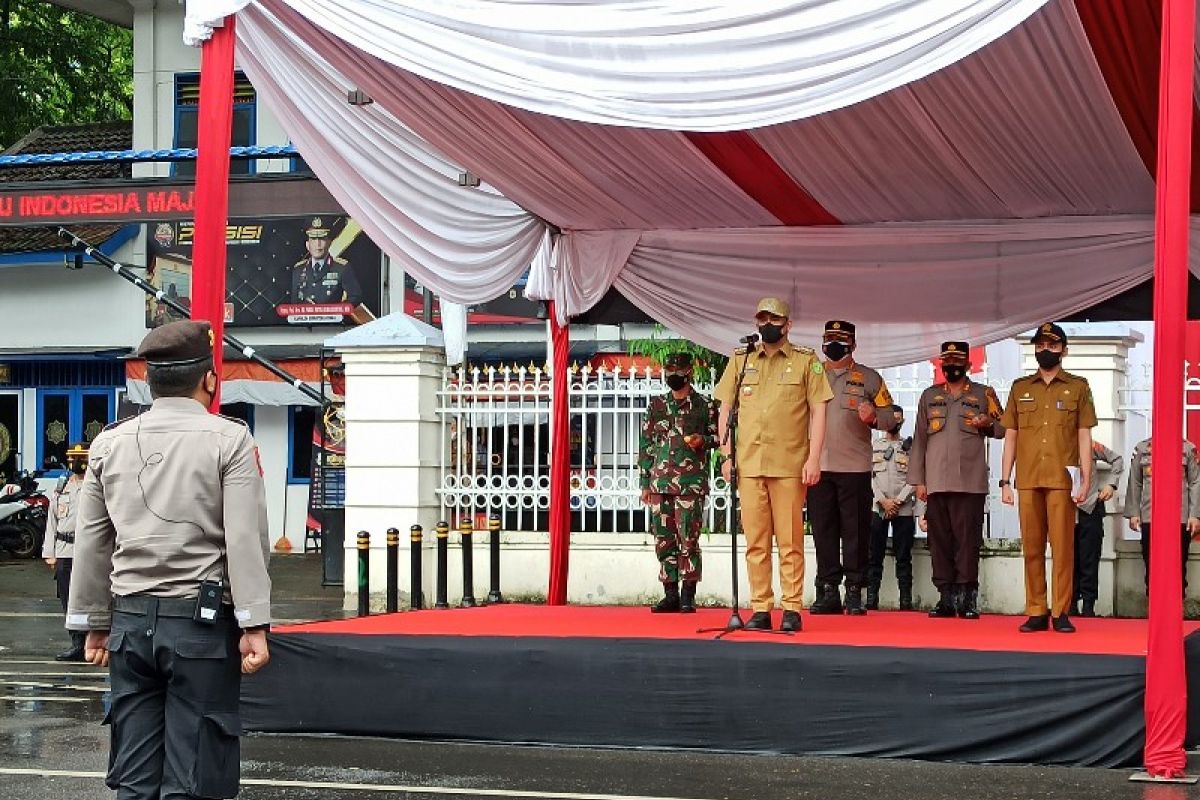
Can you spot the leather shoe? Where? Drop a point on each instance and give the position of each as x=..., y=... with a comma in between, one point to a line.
x=829, y=601
x=74, y=654
x=1035, y=624
x=791, y=622
x=1063, y=624
x=759, y=621
x=1089, y=608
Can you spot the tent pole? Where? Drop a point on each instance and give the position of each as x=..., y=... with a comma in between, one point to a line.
x=560, y=462
x=1166, y=680
x=212, y=186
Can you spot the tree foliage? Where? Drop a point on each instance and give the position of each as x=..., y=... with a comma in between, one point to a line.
x=708, y=365
x=60, y=67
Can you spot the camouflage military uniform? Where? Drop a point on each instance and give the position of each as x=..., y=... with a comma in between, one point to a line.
x=673, y=459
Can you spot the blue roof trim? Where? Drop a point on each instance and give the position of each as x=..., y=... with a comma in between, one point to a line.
x=55, y=257
x=131, y=156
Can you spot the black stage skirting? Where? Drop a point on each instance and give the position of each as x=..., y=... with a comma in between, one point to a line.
x=1054, y=708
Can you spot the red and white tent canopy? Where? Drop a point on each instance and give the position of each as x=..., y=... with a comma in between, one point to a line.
x=973, y=167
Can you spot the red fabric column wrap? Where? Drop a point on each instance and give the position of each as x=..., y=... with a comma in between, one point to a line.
x=560, y=464
x=1166, y=680
x=212, y=186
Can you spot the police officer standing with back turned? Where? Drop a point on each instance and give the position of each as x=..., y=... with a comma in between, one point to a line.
x=170, y=576
x=58, y=546
x=839, y=506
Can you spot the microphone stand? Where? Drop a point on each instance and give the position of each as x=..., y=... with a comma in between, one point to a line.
x=735, y=622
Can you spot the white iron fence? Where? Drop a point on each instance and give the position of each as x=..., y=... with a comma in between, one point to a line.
x=495, y=455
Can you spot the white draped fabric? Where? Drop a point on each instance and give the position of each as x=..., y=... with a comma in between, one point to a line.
x=469, y=244
x=978, y=282
x=668, y=64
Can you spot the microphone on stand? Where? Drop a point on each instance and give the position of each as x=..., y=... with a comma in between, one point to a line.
x=749, y=341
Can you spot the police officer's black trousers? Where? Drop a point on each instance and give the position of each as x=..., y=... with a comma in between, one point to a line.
x=174, y=714
x=1089, y=538
x=955, y=521
x=903, y=532
x=62, y=583
x=839, y=507
x=1186, y=541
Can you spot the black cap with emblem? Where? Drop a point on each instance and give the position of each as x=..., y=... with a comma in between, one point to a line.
x=679, y=361
x=1049, y=332
x=178, y=344
x=955, y=350
x=839, y=330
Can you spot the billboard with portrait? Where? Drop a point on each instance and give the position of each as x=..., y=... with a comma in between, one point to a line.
x=316, y=270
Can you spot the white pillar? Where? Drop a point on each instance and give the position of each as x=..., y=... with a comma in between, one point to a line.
x=1099, y=352
x=394, y=369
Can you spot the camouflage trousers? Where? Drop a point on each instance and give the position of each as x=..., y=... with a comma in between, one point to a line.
x=675, y=524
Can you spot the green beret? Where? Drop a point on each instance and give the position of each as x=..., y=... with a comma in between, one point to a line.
x=678, y=361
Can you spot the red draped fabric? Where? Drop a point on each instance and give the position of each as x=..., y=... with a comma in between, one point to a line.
x=1166, y=678
x=212, y=185
x=560, y=464
x=747, y=164
x=1125, y=37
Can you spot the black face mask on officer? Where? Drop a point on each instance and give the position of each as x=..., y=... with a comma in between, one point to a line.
x=677, y=382
x=79, y=467
x=954, y=373
x=836, y=351
x=1048, y=359
x=770, y=332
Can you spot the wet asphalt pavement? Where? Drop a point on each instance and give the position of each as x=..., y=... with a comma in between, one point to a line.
x=53, y=746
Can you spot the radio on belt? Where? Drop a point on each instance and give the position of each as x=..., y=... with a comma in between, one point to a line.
x=208, y=602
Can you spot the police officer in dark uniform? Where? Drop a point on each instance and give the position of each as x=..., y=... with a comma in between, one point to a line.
x=321, y=278
x=170, y=576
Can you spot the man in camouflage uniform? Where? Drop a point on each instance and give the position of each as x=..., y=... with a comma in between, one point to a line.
x=679, y=432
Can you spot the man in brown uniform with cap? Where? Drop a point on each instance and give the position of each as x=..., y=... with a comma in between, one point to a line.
x=949, y=467
x=781, y=426
x=170, y=576
x=1048, y=422
x=839, y=505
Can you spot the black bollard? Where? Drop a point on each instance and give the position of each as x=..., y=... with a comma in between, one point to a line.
x=393, y=570
x=466, y=530
x=494, y=595
x=443, y=535
x=364, y=573
x=415, y=599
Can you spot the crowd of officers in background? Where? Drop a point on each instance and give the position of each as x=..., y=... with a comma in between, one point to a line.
x=803, y=441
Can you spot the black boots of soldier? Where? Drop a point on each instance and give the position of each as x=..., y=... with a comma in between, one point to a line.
x=676, y=602
x=829, y=601
x=956, y=601
x=947, y=605
x=906, y=601
x=75, y=653
x=670, y=603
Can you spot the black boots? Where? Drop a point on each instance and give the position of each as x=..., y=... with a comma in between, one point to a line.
x=687, y=598
x=968, y=604
x=906, y=603
x=1089, y=608
x=946, y=606
x=854, y=605
x=670, y=602
x=873, y=598
x=75, y=653
x=829, y=601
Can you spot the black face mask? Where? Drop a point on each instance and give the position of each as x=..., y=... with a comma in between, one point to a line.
x=79, y=469
x=1048, y=359
x=954, y=374
x=677, y=382
x=836, y=351
x=770, y=333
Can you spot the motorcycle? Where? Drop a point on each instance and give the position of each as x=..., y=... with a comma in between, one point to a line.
x=23, y=510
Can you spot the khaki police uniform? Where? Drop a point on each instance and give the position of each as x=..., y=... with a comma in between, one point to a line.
x=172, y=498
x=950, y=458
x=1047, y=418
x=59, y=544
x=890, y=460
x=1089, y=524
x=772, y=445
x=839, y=505
x=1137, y=499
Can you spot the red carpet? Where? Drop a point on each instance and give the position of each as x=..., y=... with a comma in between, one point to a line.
x=877, y=629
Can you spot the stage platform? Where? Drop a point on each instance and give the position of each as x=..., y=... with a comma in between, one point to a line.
x=890, y=684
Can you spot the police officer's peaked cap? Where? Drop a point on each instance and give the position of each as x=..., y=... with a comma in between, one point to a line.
x=678, y=361
x=952, y=350
x=1050, y=332
x=317, y=229
x=773, y=306
x=177, y=344
x=78, y=450
x=839, y=329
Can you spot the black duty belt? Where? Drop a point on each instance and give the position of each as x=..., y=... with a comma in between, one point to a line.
x=69, y=538
x=164, y=606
